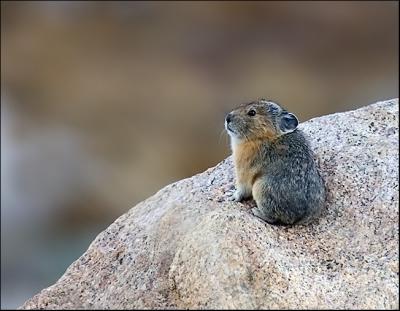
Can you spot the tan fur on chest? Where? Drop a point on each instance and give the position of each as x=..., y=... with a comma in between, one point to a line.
x=244, y=154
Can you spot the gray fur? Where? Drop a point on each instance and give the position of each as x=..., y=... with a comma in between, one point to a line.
x=293, y=188
x=288, y=188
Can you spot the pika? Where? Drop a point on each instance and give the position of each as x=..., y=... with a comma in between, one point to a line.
x=274, y=164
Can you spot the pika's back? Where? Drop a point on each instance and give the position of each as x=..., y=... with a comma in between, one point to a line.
x=288, y=163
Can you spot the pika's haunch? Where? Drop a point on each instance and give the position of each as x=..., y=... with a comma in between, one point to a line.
x=274, y=164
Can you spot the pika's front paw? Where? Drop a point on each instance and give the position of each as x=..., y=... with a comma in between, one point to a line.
x=233, y=197
x=237, y=196
x=240, y=195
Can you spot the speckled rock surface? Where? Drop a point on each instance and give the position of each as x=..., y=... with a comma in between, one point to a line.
x=188, y=246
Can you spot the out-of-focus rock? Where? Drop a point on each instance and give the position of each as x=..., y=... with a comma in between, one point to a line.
x=188, y=246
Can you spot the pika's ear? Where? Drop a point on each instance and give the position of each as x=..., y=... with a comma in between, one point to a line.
x=288, y=123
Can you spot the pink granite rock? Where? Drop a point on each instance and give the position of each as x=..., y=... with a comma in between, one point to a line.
x=188, y=246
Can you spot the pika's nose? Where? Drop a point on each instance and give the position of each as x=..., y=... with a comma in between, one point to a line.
x=228, y=118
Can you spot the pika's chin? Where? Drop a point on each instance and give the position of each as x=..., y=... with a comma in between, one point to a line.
x=230, y=131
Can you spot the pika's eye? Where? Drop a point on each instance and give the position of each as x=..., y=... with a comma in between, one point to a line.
x=251, y=113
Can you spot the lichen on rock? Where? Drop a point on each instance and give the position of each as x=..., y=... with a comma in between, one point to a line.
x=189, y=246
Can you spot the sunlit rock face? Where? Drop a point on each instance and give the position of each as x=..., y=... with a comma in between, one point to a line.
x=189, y=246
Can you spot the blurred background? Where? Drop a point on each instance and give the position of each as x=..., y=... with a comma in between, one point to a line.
x=103, y=104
